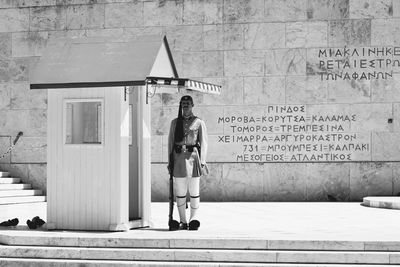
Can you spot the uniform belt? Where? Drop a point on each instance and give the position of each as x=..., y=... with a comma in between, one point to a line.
x=185, y=148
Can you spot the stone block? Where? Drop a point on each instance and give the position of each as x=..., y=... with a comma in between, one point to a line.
x=370, y=179
x=396, y=117
x=371, y=117
x=16, y=70
x=211, y=186
x=156, y=148
x=264, y=35
x=231, y=94
x=243, y=11
x=16, y=170
x=385, y=146
x=242, y=182
x=163, y=13
x=371, y=9
x=213, y=37
x=139, y=31
x=285, y=182
x=14, y=20
x=244, y=63
x=159, y=182
x=210, y=115
x=85, y=16
x=223, y=151
x=185, y=38
x=313, y=65
x=35, y=3
x=385, y=32
x=70, y=34
x=396, y=178
x=305, y=89
x=161, y=120
x=203, y=64
x=332, y=257
x=48, y=18
x=37, y=174
x=306, y=34
x=328, y=181
x=30, y=150
x=264, y=90
x=285, y=62
x=5, y=46
x=386, y=90
x=233, y=36
x=349, y=32
x=5, y=95
x=202, y=12
x=115, y=32
x=327, y=9
x=286, y=10
x=349, y=91
x=31, y=122
x=124, y=15
x=29, y=44
x=24, y=98
x=5, y=143
x=165, y=153
x=396, y=9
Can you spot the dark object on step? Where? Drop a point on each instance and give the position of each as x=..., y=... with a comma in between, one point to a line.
x=31, y=225
x=35, y=223
x=13, y=222
x=38, y=221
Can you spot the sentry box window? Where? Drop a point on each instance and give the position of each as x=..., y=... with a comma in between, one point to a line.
x=83, y=121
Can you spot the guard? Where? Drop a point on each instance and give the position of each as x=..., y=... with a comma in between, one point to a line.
x=187, y=147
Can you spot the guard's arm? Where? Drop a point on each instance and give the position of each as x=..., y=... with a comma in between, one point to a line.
x=171, y=146
x=203, y=140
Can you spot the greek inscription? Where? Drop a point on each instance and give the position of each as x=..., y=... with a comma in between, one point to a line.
x=289, y=134
x=360, y=63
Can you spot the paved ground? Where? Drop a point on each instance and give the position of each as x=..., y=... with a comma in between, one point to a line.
x=273, y=221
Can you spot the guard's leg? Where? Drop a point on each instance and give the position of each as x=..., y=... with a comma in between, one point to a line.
x=181, y=187
x=194, y=191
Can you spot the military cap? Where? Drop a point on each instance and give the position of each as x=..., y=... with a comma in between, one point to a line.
x=186, y=98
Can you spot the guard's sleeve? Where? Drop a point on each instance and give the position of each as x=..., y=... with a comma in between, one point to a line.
x=203, y=139
x=171, y=139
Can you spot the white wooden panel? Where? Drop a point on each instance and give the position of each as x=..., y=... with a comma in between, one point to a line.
x=144, y=157
x=88, y=184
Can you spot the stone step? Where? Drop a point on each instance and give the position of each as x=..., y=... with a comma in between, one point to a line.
x=202, y=255
x=15, y=186
x=4, y=174
x=22, y=199
x=18, y=262
x=15, y=193
x=382, y=202
x=25, y=239
x=9, y=180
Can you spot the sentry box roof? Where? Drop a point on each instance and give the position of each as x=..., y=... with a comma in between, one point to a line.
x=107, y=62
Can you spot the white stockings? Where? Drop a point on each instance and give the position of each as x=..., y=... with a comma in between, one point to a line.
x=182, y=184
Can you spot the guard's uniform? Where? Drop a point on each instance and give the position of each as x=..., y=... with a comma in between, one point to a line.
x=187, y=157
x=187, y=143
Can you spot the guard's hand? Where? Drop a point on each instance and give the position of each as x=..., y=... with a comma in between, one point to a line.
x=169, y=169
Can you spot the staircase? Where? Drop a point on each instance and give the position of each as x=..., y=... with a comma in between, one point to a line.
x=12, y=191
x=121, y=251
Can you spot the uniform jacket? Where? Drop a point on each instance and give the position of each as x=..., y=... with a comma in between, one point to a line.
x=188, y=164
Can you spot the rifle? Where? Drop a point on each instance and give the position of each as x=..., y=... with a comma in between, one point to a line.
x=173, y=224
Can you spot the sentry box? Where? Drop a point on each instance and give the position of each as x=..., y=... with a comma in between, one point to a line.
x=98, y=127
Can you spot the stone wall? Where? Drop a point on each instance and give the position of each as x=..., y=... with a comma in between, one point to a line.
x=310, y=108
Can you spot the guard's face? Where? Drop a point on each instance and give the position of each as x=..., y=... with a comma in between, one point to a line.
x=187, y=106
